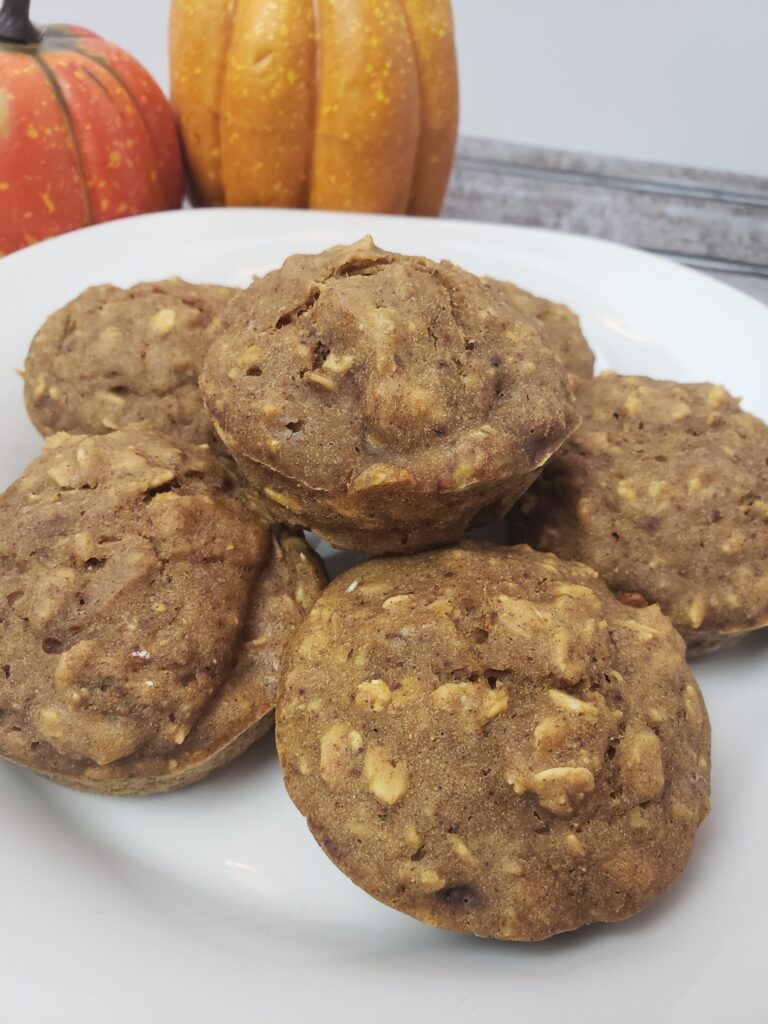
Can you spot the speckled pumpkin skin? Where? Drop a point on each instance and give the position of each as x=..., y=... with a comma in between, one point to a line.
x=86, y=136
x=331, y=104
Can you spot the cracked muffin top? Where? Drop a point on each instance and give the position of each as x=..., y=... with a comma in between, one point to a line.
x=116, y=356
x=384, y=401
x=664, y=490
x=146, y=610
x=486, y=739
x=559, y=325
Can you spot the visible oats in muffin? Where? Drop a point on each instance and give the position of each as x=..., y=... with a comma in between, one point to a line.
x=664, y=490
x=386, y=402
x=486, y=739
x=559, y=325
x=146, y=610
x=117, y=356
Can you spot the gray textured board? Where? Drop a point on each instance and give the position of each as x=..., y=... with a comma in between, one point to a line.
x=643, y=174
x=715, y=221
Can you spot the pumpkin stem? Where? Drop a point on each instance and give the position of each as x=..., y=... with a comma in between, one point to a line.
x=15, y=26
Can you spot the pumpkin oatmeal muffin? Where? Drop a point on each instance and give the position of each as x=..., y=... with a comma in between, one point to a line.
x=486, y=739
x=559, y=325
x=146, y=611
x=116, y=356
x=384, y=401
x=664, y=490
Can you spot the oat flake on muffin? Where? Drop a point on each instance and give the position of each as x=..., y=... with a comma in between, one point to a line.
x=486, y=739
x=664, y=490
x=386, y=402
x=146, y=613
x=117, y=356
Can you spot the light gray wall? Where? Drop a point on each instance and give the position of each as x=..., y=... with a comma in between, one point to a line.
x=679, y=81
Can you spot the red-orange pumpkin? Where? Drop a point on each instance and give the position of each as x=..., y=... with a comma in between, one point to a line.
x=86, y=135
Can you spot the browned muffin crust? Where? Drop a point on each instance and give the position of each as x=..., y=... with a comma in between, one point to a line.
x=664, y=490
x=559, y=325
x=486, y=739
x=384, y=401
x=116, y=356
x=146, y=610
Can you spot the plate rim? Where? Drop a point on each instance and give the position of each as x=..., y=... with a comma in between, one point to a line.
x=128, y=224
x=568, y=953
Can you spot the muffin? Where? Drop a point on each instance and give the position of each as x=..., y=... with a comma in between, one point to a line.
x=116, y=356
x=385, y=402
x=486, y=739
x=664, y=490
x=559, y=325
x=146, y=613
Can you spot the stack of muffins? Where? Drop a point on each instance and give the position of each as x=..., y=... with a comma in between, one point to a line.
x=495, y=739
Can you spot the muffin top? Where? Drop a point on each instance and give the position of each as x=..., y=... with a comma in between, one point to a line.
x=143, y=624
x=559, y=325
x=358, y=369
x=116, y=356
x=485, y=738
x=664, y=490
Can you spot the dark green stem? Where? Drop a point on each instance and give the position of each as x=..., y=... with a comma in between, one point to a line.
x=15, y=26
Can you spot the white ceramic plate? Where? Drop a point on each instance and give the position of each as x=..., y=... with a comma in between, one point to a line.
x=214, y=904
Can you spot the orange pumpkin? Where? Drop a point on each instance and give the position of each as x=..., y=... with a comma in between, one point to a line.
x=335, y=104
x=86, y=135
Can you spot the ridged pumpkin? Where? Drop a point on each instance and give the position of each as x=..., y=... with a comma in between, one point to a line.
x=86, y=135
x=334, y=104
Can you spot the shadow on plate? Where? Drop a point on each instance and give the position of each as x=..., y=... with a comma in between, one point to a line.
x=737, y=655
x=255, y=761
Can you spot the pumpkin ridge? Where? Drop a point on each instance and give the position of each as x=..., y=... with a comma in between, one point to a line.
x=420, y=89
x=97, y=81
x=315, y=97
x=431, y=29
x=105, y=65
x=61, y=99
x=228, y=30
